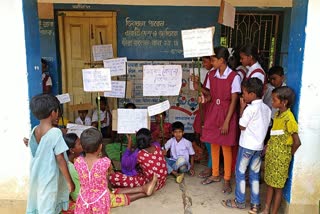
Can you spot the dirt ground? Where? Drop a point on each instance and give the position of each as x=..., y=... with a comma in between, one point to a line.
x=188, y=197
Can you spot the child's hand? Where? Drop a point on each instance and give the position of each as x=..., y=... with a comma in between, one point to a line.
x=71, y=186
x=243, y=104
x=191, y=171
x=26, y=141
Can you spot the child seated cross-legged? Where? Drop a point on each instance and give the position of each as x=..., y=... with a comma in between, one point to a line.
x=181, y=149
x=253, y=113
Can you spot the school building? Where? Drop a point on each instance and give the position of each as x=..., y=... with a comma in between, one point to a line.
x=63, y=31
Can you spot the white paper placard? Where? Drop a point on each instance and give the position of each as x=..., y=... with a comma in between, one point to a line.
x=162, y=80
x=118, y=89
x=131, y=120
x=76, y=128
x=101, y=52
x=203, y=73
x=96, y=79
x=63, y=98
x=197, y=42
x=117, y=66
x=158, y=108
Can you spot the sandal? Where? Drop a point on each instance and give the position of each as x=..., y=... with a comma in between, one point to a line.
x=255, y=208
x=210, y=180
x=227, y=189
x=180, y=178
x=204, y=174
x=232, y=203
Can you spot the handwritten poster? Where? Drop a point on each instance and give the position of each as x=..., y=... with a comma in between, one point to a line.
x=96, y=79
x=117, y=66
x=118, y=89
x=131, y=120
x=203, y=73
x=76, y=128
x=162, y=80
x=102, y=52
x=63, y=98
x=158, y=108
x=197, y=42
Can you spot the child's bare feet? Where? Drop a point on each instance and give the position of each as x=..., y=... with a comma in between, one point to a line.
x=266, y=211
x=150, y=187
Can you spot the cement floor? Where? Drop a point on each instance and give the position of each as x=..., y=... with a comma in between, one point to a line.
x=189, y=197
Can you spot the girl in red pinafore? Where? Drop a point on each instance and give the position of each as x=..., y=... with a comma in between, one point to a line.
x=150, y=160
x=221, y=122
x=197, y=123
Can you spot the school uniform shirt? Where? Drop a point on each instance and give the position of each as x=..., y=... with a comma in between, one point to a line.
x=183, y=148
x=242, y=72
x=46, y=79
x=103, y=114
x=87, y=121
x=257, y=74
x=255, y=118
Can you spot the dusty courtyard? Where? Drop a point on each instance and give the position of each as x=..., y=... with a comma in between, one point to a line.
x=188, y=197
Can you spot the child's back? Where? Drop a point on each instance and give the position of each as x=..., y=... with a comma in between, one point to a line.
x=48, y=190
x=94, y=194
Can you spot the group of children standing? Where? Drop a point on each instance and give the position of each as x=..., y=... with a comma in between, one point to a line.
x=232, y=122
x=242, y=122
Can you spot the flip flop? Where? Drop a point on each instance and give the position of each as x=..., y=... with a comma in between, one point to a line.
x=180, y=178
x=232, y=203
x=209, y=180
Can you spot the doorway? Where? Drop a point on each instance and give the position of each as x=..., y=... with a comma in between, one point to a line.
x=78, y=32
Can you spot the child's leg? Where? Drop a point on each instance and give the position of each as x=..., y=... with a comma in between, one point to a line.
x=227, y=159
x=254, y=177
x=269, y=196
x=277, y=200
x=181, y=165
x=208, y=146
x=243, y=160
x=215, y=156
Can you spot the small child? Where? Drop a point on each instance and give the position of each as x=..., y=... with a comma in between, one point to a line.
x=181, y=150
x=160, y=134
x=276, y=79
x=50, y=180
x=83, y=118
x=254, y=122
x=94, y=194
x=281, y=147
x=46, y=78
x=105, y=117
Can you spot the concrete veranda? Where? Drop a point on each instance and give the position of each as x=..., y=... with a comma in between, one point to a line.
x=205, y=199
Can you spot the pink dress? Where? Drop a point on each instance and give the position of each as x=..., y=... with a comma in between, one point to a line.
x=94, y=196
x=217, y=110
x=149, y=164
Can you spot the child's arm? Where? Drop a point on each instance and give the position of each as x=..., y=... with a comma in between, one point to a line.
x=232, y=107
x=65, y=172
x=296, y=143
x=191, y=165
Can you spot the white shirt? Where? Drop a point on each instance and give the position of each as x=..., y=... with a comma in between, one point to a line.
x=255, y=118
x=103, y=114
x=241, y=67
x=49, y=80
x=257, y=74
x=87, y=121
x=183, y=148
x=236, y=83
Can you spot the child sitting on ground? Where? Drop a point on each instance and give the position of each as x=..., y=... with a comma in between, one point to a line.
x=83, y=118
x=181, y=150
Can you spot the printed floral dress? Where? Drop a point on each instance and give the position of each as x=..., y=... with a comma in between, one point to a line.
x=149, y=163
x=94, y=196
x=278, y=154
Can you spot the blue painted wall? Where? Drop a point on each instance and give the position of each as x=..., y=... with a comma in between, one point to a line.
x=295, y=62
x=30, y=15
